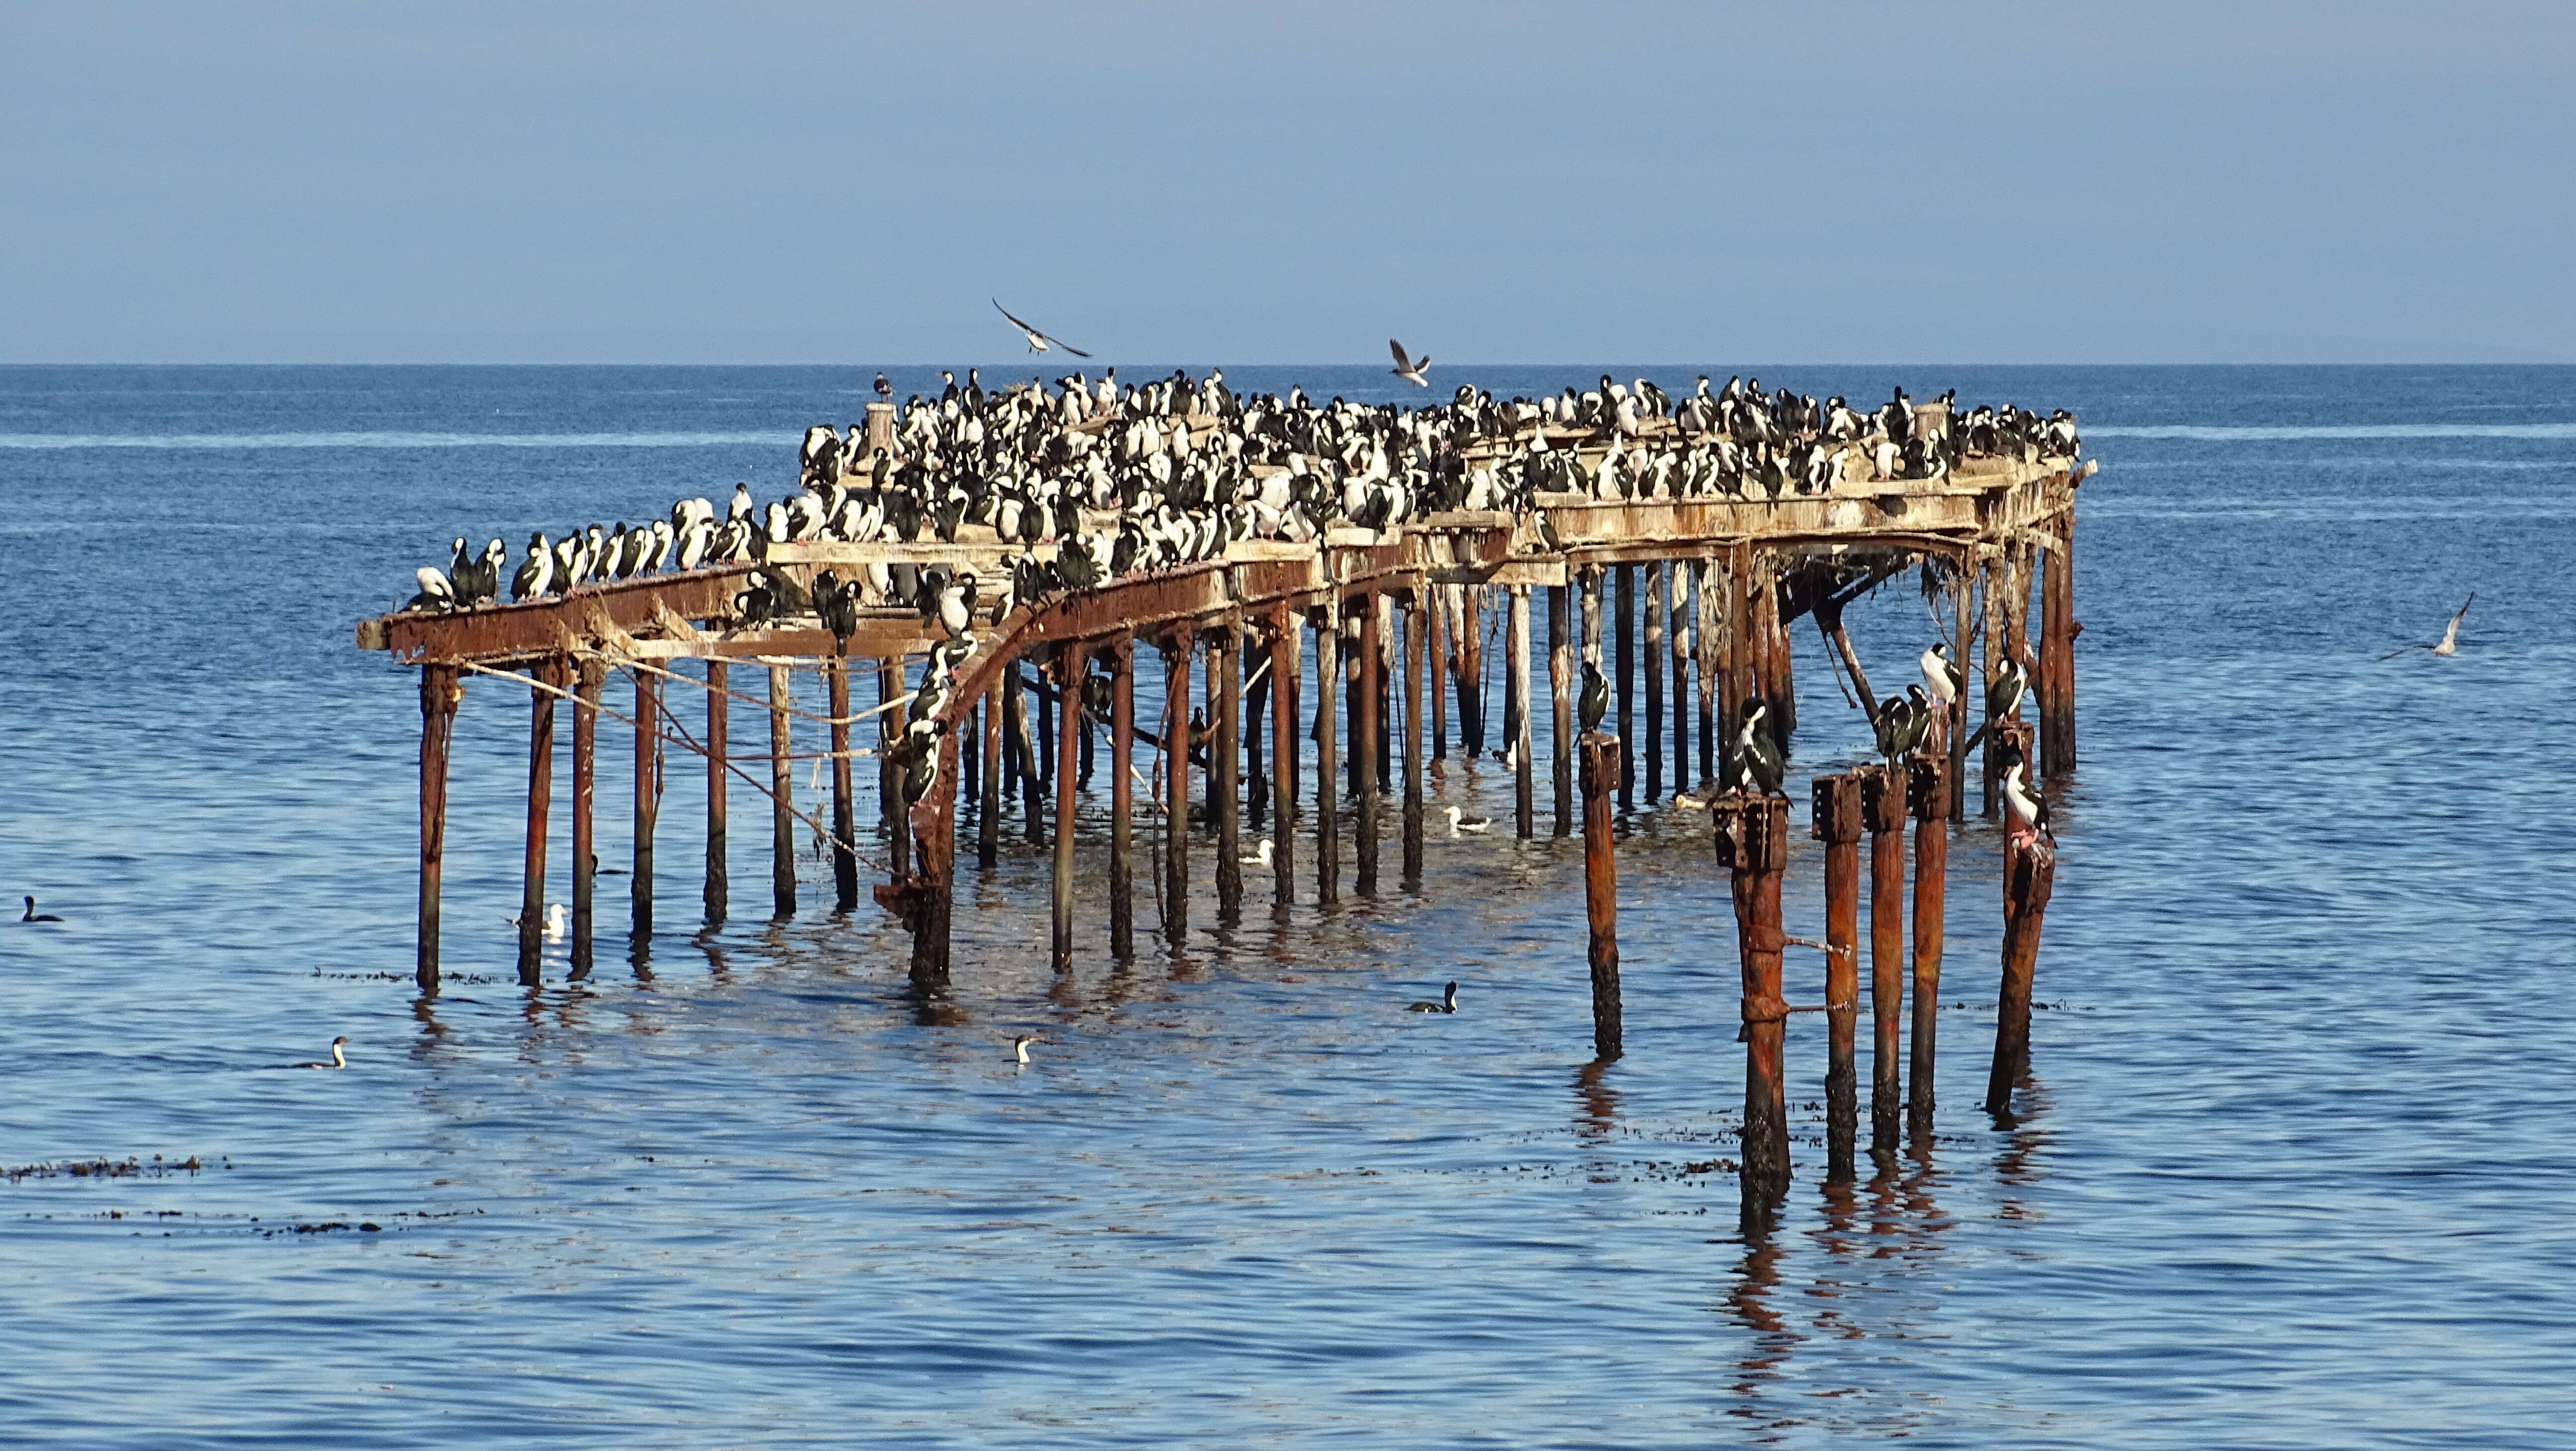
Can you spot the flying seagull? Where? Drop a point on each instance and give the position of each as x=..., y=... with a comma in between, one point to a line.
x=1038, y=342
x=2450, y=634
x=1409, y=369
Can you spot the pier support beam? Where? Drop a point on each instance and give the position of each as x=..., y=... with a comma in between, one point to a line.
x=1069, y=723
x=1883, y=804
x=1364, y=720
x=1177, y=653
x=1122, y=798
x=782, y=795
x=2030, y=874
x=648, y=801
x=1962, y=637
x=1516, y=711
x=1654, y=651
x=1601, y=891
x=719, y=714
x=1435, y=628
x=1990, y=637
x=439, y=697
x=1753, y=844
x=1256, y=776
x=1284, y=652
x=592, y=674
x=1225, y=760
x=1328, y=766
x=988, y=804
x=1710, y=612
x=1928, y=795
x=550, y=674
x=2057, y=652
x=1560, y=694
x=1838, y=824
x=1678, y=593
x=1471, y=672
x=1623, y=600
x=928, y=896
x=845, y=839
x=1417, y=656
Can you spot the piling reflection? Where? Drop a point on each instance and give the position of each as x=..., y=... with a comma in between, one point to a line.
x=1597, y=1107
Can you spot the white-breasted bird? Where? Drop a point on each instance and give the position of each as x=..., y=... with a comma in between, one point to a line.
x=1409, y=369
x=2450, y=644
x=1038, y=342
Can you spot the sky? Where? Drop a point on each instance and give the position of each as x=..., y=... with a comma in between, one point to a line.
x=1492, y=183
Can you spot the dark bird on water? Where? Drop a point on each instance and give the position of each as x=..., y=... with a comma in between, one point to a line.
x=338, y=1059
x=1448, y=1002
x=1595, y=702
x=1038, y=342
x=1409, y=369
x=2450, y=634
x=35, y=916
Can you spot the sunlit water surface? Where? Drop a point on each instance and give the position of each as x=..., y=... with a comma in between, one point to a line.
x=2289, y=1172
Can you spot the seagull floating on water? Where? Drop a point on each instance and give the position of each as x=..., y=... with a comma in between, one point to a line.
x=1260, y=856
x=1038, y=342
x=2450, y=634
x=1460, y=821
x=1448, y=1002
x=338, y=1060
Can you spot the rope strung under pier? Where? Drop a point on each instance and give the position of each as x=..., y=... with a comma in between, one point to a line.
x=631, y=664
x=626, y=720
x=788, y=806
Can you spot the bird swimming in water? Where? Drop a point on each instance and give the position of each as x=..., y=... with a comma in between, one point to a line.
x=1020, y=1046
x=32, y=915
x=1261, y=855
x=2450, y=635
x=1409, y=369
x=1460, y=821
x=1038, y=342
x=1448, y=1002
x=338, y=1059
x=1595, y=700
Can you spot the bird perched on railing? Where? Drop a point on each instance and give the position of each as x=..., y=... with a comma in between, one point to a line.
x=837, y=607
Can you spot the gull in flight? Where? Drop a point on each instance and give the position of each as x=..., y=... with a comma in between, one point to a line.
x=2450, y=634
x=1409, y=369
x=1038, y=342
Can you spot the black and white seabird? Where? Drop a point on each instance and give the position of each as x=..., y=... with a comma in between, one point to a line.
x=1595, y=700
x=885, y=390
x=1448, y=1002
x=32, y=915
x=1753, y=762
x=338, y=1058
x=2028, y=808
x=536, y=575
x=1020, y=1046
x=1038, y=342
x=1409, y=369
x=1940, y=674
x=2450, y=635
x=2003, y=697
x=1460, y=821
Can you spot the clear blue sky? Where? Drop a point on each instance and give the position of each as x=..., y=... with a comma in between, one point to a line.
x=1492, y=183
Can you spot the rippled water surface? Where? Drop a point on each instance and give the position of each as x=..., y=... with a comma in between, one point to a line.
x=2289, y=1174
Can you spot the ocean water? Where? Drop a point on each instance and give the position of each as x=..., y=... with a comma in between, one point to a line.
x=2287, y=1175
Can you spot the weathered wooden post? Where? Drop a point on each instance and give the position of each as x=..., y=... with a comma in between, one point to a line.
x=880, y=428
x=1883, y=802
x=889, y=769
x=1770, y=651
x=1838, y=824
x=1601, y=890
x=648, y=800
x=782, y=794
x=845, y=811
x=1417, y=657
x=1284, y=652
x=1364, y=777
x=1560, y=692
x=1122, y=798
x=1471, y=673
x=1041, y=752
x=548, y=675
x=970, y=758
x=1435, y=628
x=439, y=697
x=1256, y=779
x=1712, y=610
x=1328, y=766
x=1677, y=585
x=1516, y=684
x=1961, y=638
x=719, y=714
x=1225, y=756
x=1735, y=683
x=988, y=804
x=2030, y=874
x=1928, y=795
x=1178, y=649
x=926, y=899
x=1990, y=639
x=1624, y=601
x=1654, y=647
x=1070, y=723
x=1753, y=843
x=1384, y=664
x=2057, y=651
x=585, y=781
